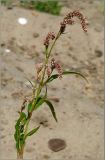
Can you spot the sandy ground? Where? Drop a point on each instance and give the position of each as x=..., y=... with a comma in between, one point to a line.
x=80, y=110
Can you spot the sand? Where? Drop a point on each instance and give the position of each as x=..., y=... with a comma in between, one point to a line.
x=80, y=109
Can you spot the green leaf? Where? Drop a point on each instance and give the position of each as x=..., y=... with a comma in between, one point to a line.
x=54, y=76
x=39, y=102
x=30, y=107
x=17, y=134
x=21, y=140
x=17, y=145
x=22, y=119
x=73, y=72
x=65, y=73
x=51, y=108
x=32, y=132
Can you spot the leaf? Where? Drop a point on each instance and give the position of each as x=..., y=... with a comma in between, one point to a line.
x=51, y=108
x=54, y=76
x=73, y=72
x=32, y=83
x=30, y=107
x=22, y=119
x=21, y=140
x=65, y=73
x=17, y=134
x=41, y=100
x=39, y=103
x=32, y=132
x=17, y=145
x=45, y=91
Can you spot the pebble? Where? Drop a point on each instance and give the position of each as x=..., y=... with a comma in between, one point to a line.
x=35, y=35
x=2, y=44
x=56, y=144
x=22, y=21
x=44, y=123
x=46, y=157
x=10, y=7
x=98, y=53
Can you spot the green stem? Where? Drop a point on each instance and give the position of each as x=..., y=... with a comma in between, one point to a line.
x=58, y=35
x=26, y=128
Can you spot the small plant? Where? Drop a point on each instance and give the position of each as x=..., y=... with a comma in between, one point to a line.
x=45, y=75
x=52, y=7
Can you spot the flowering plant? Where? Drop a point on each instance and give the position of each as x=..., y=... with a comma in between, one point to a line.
x=45, y=74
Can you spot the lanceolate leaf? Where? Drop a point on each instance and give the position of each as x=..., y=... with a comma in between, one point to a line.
x=54, y=76
x=52, y=109
x=65, y=73
x=32, y=83
x=30, y=107
x=39, y=103
x=22, y=140
x=18, y=129
x=22, y=118
x=73, y=72
x=32, y=132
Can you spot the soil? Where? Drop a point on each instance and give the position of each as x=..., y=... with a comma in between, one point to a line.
x=80, y=105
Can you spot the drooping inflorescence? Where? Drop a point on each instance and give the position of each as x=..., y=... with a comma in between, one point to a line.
x=68, y=20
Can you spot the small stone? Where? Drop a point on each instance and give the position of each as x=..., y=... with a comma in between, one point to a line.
x=10, y=7
x=56, y=144
x=46, y=157
x=35, y=35
x=2, y=44
x=98, y=53
x=34, y=143
x=44, y=123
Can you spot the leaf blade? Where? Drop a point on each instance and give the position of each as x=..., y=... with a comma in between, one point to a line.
x=54, y=76
x=51, y=108
x=39, y=103
x=32, y=132
x=74, y=72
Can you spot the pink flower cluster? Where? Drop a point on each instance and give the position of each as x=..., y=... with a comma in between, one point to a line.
x=50, y=36
x=57, y=66
x=68, y=20
x=49, y=71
